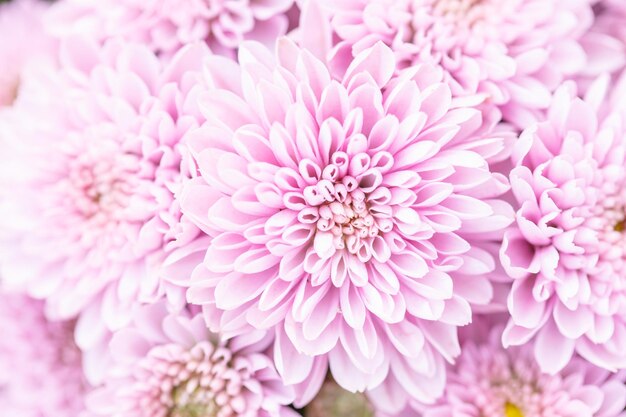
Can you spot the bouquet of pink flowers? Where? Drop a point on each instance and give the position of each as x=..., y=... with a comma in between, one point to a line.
x=348, y=208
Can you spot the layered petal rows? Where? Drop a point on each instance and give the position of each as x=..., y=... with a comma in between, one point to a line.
x=104, y=165
x=40, y=365
x=166, y=26
x=566, y=252
x=171, y=365
x=488, y=380
x=354, y=213
x=516, y=51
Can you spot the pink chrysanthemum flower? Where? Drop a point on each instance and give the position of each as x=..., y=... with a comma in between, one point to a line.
x=353, y=213
x=93, y=220
x=489, y=381
x=40, y=366
x=166, y=26
x=170, y=365
x=567, y=251
x=24, y=46
x=605, y=42
x=517, y=51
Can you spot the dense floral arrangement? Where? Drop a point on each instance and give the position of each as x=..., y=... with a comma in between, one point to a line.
x=273, y=208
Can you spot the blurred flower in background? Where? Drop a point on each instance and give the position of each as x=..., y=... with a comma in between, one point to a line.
x=489, y=380
x=170, y=365
x=567, y=251
x=167, y=25
x=40, y=365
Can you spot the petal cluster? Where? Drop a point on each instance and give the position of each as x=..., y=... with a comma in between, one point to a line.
x=166, y=26
x=567, y=250
x=605, y=42
x=355, y=214
x=25, y=45
x=489, y=381
x=105, y=162
x=515, y=51
x=170, y=365
x=40, y=365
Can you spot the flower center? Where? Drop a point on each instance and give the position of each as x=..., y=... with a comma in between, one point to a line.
x=334, y=401
x=101, y=186
x=187, y=405
x=454, y=9
x=348, y=219
x=608, y=218
x=195, y=383
x=347, y=203
x=511, y=410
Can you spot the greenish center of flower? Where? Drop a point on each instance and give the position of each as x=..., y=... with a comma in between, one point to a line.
x=455, y=8
x=196, y=382
x=194, y=410
x=187, y=405
x=511, y=410
x=620, y=226
x=334, y=401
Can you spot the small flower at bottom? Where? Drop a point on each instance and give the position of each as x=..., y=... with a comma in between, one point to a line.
x=41, y=372
x=170, y=365
x=490, y=381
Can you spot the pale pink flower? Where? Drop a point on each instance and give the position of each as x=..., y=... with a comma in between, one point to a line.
x=40, y=366
x=490, y=381
x=167, y=25
x=516, y=51
x=567, y=251
x=89, y=218
x=24, y=46
x=353, y=213
x=605, y=42
x=171, y=365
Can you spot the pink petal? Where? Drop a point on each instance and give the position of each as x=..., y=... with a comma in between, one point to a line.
x=552, y=350
x=378, y=61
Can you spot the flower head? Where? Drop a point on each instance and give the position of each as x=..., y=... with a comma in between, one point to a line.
x=352, y=213
x=24, y=46
x=166, y=26
x=567, y=250
x=490, y=381
x=605, y=42
x=40, y=366
x=170, y=365
x=516, y=51
x=92, y=221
